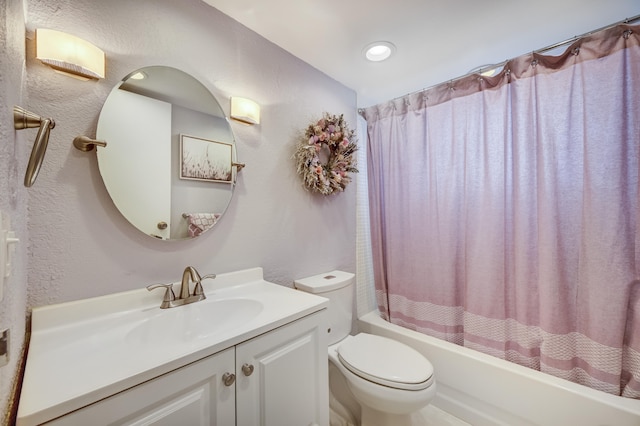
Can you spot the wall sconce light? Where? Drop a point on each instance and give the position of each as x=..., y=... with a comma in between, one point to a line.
x=245, y=110
x=69, y=54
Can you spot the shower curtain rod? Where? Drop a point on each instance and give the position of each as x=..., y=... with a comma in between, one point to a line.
x=500, y=64
x=571, y=40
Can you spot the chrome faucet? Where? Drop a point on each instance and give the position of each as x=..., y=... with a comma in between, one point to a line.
x=190, y=274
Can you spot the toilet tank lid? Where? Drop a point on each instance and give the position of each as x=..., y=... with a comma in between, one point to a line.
x=324, y=282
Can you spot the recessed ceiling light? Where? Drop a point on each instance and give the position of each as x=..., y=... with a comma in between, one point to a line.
x=379, y=51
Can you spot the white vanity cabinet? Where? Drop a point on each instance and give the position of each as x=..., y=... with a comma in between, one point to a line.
x=192, y=395
x=282, y=377
x=120, y=359
x=280, y=380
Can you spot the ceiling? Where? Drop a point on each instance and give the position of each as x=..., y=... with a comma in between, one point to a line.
x=436, y=40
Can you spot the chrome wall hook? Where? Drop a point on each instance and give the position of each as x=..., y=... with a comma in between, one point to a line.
x=23, y=119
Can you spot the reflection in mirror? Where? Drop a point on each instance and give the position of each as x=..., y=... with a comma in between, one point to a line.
x=144, y=120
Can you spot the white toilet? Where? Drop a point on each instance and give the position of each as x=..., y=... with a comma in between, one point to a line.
x=389, y=380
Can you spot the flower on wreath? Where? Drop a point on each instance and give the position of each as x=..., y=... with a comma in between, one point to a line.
x=325, y=155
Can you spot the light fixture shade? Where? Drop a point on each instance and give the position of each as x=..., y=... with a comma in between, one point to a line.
x=245, y=110
x=69, y=54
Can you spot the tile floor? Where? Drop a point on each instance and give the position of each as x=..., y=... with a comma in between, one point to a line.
x=428, y=416
x=433, y=416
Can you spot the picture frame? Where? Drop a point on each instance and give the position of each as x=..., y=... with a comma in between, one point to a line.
x=205, y=160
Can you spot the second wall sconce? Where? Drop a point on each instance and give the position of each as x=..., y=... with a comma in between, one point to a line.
x=23, y=119
x=245, y=110
x=69, y=54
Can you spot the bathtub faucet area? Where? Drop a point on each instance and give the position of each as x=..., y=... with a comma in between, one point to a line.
x=189, y=275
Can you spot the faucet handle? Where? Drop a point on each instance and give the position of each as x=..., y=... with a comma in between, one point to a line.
x=169, y=295
x=197, y=290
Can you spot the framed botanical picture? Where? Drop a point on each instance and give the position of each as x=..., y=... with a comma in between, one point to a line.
x=205, y=160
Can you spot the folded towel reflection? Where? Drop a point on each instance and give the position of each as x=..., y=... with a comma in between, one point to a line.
x=200, y=222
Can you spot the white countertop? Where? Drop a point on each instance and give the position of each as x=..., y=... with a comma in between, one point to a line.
x=83, y=351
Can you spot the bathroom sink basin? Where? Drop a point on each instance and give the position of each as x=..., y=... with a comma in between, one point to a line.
x=193, y=322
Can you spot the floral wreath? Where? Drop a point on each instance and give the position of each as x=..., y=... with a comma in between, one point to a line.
x=329, y=138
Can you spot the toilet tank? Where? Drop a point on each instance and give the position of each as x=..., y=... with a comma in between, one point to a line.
x=337, y=286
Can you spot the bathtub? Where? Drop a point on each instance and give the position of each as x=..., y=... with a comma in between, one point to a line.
x=487, y=391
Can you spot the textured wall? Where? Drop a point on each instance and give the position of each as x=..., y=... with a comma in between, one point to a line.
x=82, y=247
x=14, y=151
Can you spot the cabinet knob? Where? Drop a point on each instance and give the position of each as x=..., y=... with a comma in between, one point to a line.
x=247, y=369
x=162, y=225
x=228, y=379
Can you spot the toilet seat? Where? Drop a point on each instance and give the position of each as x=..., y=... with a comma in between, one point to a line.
x=386, y=362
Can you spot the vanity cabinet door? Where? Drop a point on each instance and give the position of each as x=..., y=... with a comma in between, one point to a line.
x=281, y=376
x=192, y=395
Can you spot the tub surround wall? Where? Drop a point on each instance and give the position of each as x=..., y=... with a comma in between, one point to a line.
x=82, y=244
x=14, y=152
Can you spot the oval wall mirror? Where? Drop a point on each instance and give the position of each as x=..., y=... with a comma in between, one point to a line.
x=169, y=163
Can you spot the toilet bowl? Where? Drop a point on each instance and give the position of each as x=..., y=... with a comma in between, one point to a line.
x=389, y=380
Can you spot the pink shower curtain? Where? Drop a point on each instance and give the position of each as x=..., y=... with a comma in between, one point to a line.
x=504, y=211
